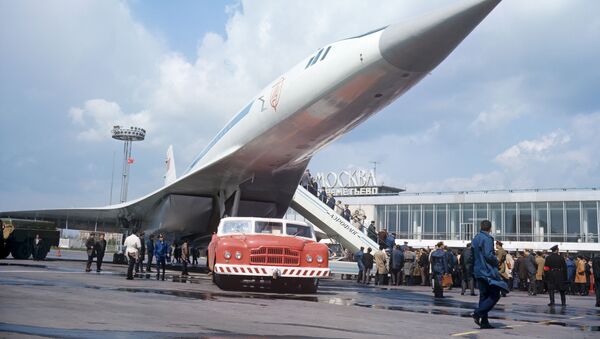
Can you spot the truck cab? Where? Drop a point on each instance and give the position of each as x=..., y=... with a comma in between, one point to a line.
x=282, y=253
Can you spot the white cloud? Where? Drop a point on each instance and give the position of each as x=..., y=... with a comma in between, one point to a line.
x=563, y=158
x=525, y=153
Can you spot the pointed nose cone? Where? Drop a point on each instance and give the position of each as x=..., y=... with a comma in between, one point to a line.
x=420, y=45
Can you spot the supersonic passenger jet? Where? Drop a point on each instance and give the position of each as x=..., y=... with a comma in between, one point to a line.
x=253, y=165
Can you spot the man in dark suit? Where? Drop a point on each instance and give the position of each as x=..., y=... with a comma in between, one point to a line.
x=139, y=266
x=38, y=247
x=323, y=195
x=555, y=274
x=439, y=267
x=466, y=267
x=531, y=268
x=368, y=263
x=150, y=252
x=89, y=245
x=99, y=248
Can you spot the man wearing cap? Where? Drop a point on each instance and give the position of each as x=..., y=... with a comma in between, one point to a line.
x=161, y=250
x=555, y=274
x=404, y=247
x=439, y=267
x=485, y=270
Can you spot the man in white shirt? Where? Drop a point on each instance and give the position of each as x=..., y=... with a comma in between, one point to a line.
x=132, y=250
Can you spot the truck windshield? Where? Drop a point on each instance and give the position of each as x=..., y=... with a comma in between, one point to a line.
x=269, y=227
x=237, y=226
x=298, y=230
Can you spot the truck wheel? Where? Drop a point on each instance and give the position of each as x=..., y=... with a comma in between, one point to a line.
x=44, y=252
x=21, y=251
x=226, y=282
x=310, y=285
x=279, y=285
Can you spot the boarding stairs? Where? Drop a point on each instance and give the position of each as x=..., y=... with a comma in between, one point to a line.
x=333, y=224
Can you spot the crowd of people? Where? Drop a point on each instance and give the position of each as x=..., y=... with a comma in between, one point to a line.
x=483, y=264
x=137, y=249
x=402, y=265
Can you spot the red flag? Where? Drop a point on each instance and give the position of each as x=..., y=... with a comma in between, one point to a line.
x=130, y=161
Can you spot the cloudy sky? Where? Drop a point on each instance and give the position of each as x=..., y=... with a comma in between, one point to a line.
x=517, y=105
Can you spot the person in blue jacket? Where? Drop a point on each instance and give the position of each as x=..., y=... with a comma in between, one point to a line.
x=570, y=275
x=439, y=267
x=485, y=270
x=358, y=257
x=161, y=250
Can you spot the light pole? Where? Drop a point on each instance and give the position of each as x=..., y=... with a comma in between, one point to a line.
x=127, y=135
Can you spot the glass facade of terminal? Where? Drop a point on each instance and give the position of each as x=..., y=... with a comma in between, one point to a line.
x=566, y=221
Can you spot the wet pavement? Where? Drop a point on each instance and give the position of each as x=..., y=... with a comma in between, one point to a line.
x=57, y=299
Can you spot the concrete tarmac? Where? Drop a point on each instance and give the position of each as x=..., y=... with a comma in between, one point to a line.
x=57, y=299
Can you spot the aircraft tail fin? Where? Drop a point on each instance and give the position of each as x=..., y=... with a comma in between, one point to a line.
x=171, y=174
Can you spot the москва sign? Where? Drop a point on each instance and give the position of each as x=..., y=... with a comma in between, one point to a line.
x=347, y=183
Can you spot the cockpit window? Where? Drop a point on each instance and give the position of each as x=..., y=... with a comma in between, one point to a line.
x=237, y=226
x=298, y=230
x=269, y=227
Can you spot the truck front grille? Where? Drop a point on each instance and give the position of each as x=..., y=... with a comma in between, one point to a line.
x=275, y=256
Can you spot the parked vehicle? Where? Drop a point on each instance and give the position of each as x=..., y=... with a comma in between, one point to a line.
x=18, y=236
x=283, y=253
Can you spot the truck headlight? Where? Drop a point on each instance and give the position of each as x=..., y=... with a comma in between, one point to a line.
x=238, y=255
x=319, y=259
x=227, y=255
x=309, y=258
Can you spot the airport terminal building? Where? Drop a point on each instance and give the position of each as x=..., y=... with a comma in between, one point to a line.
x=536, y=218
x=527, y=218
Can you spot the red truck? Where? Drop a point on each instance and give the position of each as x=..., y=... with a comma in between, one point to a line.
x=283, y=253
